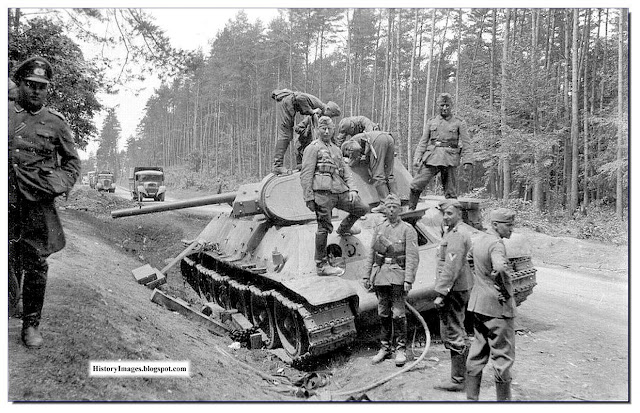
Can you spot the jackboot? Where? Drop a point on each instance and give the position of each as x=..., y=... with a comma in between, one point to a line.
x=503, y=390
x=347, y=226
x=386, y=338
x=30, y=331
x=414, y=197
x=473, y=386
x=278, y=158
x=458, y=369
x=383, y=354
x=400, y=333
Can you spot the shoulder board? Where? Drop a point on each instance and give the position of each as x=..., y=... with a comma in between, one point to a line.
x=58, y=114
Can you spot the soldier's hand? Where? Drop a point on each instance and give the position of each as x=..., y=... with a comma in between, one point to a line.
x=353, y=196
x=366, y=283
x=317, y=111
x=407, y=287
x=501, y=298
x=311, y=204
x=438, y=302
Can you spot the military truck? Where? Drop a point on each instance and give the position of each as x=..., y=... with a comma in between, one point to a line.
x=104, y=182
x=91, y=175
x=147, y=182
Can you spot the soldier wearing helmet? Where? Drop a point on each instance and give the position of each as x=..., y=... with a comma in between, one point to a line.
x=443, y=146
x=43, y=164
x=494, y=308
x=288, y=104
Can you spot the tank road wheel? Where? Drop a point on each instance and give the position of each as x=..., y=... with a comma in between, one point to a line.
x=238, y=298
x=290, y=328
x=262, y=317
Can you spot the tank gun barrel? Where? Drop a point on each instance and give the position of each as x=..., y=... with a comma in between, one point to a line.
x=170, y=206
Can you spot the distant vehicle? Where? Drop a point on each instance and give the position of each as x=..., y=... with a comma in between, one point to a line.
x=91, y=176
x=104, y=182
x=147, y=182
x=85, y=180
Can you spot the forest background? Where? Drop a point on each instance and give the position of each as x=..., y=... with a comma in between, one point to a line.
x=544, y=93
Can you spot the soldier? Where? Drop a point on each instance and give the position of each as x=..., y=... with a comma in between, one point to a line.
x=453, y=282
x=43, y=163
x=304, y=129
x=288, y=104
x=377, y=149
x=391, y=268
x=443, y=145
x=353, y=125
x=494, y=309
x=326, y=184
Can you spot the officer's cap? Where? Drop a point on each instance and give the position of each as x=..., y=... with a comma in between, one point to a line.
x=452, y=202
x=392, y=199
x=325, y=121
x=36, y=69
x=502, y=215
x=444, y=98
x=332, y=109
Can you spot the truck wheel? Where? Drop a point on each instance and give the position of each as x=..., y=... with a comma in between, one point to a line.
x=161, y=197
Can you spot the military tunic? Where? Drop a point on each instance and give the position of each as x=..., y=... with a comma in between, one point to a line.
x=444, y=144
x=352, y=125
x=43, y=163
x=290, y=103
x=493, y=321
x=393, y=268
x=453, y=282
x=379, y=150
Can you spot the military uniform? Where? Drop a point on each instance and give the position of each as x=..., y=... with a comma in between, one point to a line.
x=352, y=125
x=443, y=146
x=493, y=319
x=43, y=163
x=327, y=180
x=378, y=149
x=392, y=260
x=453, y=282
x=288, y=104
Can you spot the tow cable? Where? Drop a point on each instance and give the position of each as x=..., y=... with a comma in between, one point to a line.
x=403, y=370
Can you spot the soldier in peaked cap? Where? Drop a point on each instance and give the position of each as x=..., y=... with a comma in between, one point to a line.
x=443, y=146
x=494, y=309
x=391, y=268
x=43, y=163
x=453, y=282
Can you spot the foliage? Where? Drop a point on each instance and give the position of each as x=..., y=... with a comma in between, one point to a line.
x=107, y=154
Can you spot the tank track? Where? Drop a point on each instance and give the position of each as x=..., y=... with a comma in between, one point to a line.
x=523, y=278
x=325, y=327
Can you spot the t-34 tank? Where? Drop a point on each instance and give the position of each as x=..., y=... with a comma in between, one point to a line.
x=260, y=261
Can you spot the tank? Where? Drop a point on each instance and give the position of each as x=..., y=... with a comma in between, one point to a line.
x=259, y=259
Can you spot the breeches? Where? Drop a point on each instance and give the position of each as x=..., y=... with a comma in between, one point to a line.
x=427, y=172
x=452, y=315
x=326, y=201
x=391, y=300
x=495, y=338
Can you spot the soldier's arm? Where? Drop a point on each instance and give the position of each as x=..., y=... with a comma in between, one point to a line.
x=69, y=159
x=367, y=124
x=498, y=254
x=302, y=126
x=412, y=255
x=453, y=262
x=422, y=145
x=370, y=256
x=308, y=169
x=466, y=155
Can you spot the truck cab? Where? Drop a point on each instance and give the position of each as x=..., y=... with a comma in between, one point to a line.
x=147, y=182
x=104, y=182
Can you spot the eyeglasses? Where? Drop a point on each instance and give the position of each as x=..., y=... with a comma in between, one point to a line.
x=36, y=85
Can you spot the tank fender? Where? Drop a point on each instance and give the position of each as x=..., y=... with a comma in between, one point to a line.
x=322, y=290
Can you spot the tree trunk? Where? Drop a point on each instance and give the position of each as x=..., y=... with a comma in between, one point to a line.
x=428, y=81
x=503, y=110
x=458, y=57
x=537, y=179
x=398, y=89
x=621, y=95
x=410, y=109
x=374, y=115
x=573, y=204
x=566, y=182
x=585, y=115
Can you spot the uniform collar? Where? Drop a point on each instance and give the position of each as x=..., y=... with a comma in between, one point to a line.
x=20, y=109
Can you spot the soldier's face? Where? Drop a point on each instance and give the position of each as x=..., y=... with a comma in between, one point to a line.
x=451, y=216
x=326, y=132
x=445, y=109
x=32, y=94
x=392, y=212
x=504, y=229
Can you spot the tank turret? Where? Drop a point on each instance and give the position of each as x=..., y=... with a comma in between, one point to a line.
x=260, y=260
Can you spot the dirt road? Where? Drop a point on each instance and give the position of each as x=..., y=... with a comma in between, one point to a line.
x=572, y=344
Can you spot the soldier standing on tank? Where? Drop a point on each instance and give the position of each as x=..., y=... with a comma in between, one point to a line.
x=443, y=146
x=494, y=309
x=390, y=270
x=43, y=164
x=377, y=149
x=453, y=282
x=353, y=125
x=288, y=104
x=327, y=183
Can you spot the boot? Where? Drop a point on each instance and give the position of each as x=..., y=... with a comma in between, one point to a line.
x=30, y=333
x=383, y=354
x=400, y=332
x=414, y=197
x=383, y=193
x=503, y=390
x=347, y=226
x=324, y=269
x=458, y=368
x=473, y=386
x=278, y=158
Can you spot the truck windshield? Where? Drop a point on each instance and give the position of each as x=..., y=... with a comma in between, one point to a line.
x=150, y=178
